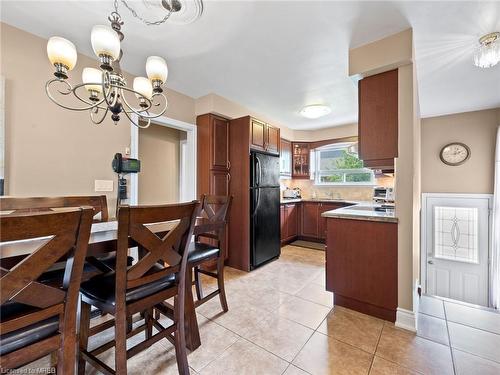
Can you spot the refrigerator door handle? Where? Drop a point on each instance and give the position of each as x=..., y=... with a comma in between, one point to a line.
x=256, y=202
x=259, y=170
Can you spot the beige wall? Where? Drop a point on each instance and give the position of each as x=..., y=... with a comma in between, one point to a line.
x=213, y=103
x=341, y=131
x=159, y=155
x=477, y=130
x=49, y=150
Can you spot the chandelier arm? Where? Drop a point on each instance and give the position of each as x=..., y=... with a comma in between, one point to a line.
x=47, y=91
x=92, y=113
x=95, y=104
x=136, y=111
x=137, y=123
x=141, y=111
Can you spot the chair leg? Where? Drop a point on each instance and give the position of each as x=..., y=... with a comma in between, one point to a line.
x=179, y=336
x=129, y=324
x=197, y=282
x=84, y=335
x=220, y=283
x=148, y=319
x=121, y=343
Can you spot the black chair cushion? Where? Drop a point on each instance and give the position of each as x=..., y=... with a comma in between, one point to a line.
x=56, y=273
x=20, y=338
x=101, y=288
x=200, y=251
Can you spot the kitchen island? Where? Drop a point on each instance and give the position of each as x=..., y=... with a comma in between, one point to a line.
x=361, y=259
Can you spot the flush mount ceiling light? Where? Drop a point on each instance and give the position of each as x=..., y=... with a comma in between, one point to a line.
x=105, y=90
x=314, y=111
x=488, y=51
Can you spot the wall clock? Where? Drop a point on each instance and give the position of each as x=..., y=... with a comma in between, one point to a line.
x=455, y=153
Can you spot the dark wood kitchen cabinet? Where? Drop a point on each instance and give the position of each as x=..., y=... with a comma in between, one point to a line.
x=323, y=207
x=257, y=136
x=300, y=160
x=289, y=215
x=213, y=163
x=309, y=220
x=264, y=137
x=362, y=270
x=378, y=120
x=286, y=158
x=219, y=182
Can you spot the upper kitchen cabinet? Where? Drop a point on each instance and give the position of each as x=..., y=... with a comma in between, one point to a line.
x=378, y=120
x=264, y=137
x=286, y=158
x=213, y=154
x=300, y=160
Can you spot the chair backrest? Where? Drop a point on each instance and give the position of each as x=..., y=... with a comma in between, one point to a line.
x=37, y=204
x=215, y=207
x=168, y=247
x=60, y=234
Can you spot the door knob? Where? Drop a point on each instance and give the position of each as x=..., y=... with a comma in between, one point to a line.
x=430, y=262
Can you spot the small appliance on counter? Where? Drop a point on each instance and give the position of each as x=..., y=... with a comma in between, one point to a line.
x=291, y=193
x=383, y=195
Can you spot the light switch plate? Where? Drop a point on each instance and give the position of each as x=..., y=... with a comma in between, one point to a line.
x=103, y=185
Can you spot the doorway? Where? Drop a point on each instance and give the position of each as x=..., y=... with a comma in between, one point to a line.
x=172, y=167
x=160, y=156
x=455, y=246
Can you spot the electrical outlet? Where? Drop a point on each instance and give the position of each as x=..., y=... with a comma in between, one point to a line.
x=103, y=185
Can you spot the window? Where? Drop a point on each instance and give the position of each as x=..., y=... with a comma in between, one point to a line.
x=339, y=165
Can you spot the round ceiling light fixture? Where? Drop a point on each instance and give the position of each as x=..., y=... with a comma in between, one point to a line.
x=488, y=52
x=314, y=111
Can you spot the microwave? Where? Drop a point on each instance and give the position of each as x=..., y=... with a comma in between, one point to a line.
x=383, y=194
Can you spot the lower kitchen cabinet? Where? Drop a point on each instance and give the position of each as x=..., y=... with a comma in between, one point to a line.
x=309, y=220
x=289, y=222
x=362, y=266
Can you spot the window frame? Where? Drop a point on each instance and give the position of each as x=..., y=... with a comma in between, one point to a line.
x=318, y=173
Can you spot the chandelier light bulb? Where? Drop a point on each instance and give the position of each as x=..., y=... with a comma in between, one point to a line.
x=106, y=44
x=143, y=86
x=62, y=54
x=156, y=69
x=487, y=53
x=92, y=75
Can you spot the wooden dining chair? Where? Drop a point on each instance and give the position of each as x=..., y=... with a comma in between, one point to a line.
x=37, y=319
x=36, y=204
x=99, y=204
x=157, y=276
x=212, y=227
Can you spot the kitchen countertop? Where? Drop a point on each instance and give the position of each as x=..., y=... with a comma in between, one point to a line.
x=362, y=211
x=320, y=200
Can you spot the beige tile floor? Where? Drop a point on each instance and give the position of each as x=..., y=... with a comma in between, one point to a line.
x=281, y=321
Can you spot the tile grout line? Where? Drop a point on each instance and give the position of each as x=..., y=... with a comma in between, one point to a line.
x=376, y=347
x=449, y=339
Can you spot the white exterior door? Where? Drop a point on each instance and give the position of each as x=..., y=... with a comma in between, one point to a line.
x=456, y=246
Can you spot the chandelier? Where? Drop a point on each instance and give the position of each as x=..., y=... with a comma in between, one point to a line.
x=488, y=51
x=105, y=90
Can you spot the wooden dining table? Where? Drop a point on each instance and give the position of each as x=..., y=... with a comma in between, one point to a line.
x=103, y=239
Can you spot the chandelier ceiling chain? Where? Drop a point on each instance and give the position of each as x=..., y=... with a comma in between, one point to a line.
x=105, y=90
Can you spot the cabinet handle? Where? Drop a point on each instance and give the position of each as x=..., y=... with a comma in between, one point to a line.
x=228, y=164
x=228, y=177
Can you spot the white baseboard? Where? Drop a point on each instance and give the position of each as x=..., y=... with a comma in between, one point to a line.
x=406, y=319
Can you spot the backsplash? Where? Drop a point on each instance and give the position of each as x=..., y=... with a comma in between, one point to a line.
x=358, y=193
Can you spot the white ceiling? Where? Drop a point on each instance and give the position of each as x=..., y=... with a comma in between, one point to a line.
x=274, y=57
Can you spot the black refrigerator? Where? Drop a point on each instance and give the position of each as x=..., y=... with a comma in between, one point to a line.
x=265, y=242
